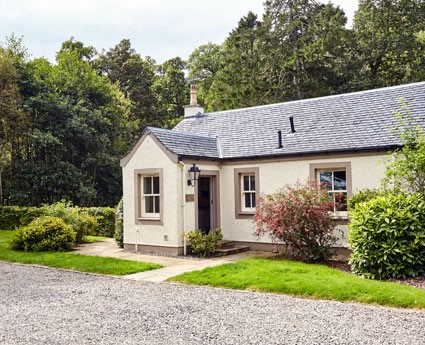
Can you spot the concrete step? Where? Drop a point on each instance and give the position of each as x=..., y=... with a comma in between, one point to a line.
x=227, y=244
x=231, y=251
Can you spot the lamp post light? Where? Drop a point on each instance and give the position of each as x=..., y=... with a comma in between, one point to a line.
x=194, y=172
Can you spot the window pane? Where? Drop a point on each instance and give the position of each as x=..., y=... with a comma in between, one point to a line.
x=340, y=201
x=149, y=204
x=326, y=179
x=155, y=184
x=147, y=185
x=157, y=210
x=247, y=200
x=245, y=182
x=253, y=199
x=252, y=178
x=340, y=181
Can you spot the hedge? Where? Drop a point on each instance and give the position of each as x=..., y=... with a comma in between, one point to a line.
x=13, y=217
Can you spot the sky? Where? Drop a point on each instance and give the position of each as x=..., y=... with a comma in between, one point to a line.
x=162, y=29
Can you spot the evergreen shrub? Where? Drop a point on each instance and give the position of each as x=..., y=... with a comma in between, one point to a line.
x=45, y=233
x=387, y=237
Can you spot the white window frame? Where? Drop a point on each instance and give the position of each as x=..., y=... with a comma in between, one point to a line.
x=153, y=195
x=332, y=191
x=250, y=191
x=242, y=212
x=142, y=217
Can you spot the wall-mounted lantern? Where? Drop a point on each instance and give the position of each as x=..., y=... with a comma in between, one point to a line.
x=194, y=172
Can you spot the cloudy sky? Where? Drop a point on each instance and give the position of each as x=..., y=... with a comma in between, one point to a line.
x=161, y=29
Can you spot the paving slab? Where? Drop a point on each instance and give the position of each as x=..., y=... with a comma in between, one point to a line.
x=173, y=265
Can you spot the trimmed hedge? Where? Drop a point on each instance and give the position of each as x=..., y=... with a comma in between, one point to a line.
x=387, y=237
x=13, y=217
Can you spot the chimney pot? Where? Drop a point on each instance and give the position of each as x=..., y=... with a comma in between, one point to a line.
x=193, y=108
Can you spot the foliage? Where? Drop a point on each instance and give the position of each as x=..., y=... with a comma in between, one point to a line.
x=304, y=280
x=298, y=217
x=363, y=196
x=79, y=129
x=82, y=263
x=387, y=47
x=119, y=224
x=44, y=234
x=407, y=171
x=81, y=223
x=105, y=219
x=387, y=237
x=204, y=244
x=13, y=120
x=91, y=220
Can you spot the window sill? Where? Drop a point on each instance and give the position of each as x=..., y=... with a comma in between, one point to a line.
x=244, y=215
x=149, y=221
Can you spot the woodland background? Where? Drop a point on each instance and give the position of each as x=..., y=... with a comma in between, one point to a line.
x=64, y=125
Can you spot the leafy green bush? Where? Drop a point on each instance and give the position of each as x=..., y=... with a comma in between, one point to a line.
x=44, y=234
x=363, y=196
x=298, y=217
x=12, y=217
x=387, y=237
x=105, y=217
x=81, y=223
x=204, y=244
x=119, y=225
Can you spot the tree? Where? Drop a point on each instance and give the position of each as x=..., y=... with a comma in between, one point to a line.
x=13, y=120
x=388, y=45
x=80, y=128
x=304, y=49
x=238, y=83
x=203, y=64
x=171, y=89
x=407, y=172
x=135, y=77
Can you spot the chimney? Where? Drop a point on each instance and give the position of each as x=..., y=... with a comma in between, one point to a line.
x=193, y=108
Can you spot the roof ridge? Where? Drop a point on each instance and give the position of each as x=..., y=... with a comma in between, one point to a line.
x=341, y=95
x=153, y=129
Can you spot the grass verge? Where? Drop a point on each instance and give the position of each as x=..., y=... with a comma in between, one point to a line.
x=304, y=280
x=77, y=262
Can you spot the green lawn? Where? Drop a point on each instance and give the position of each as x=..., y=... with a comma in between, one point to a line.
x=304, y=280
x=83, y=263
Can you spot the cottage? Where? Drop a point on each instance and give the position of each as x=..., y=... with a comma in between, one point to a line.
x=237, y=155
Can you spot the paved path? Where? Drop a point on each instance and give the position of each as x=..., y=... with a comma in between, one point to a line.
x=173, y=266
x=40, y=306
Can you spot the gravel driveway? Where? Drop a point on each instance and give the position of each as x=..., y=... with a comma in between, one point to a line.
x=48, y=306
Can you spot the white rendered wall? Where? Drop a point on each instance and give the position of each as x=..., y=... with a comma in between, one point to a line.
x=150, y=156
x=367, y=172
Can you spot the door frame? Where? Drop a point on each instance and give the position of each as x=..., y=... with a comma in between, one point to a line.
x=215, y=218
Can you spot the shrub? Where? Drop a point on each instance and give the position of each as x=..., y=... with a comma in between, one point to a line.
x=298, y=217
x=204, y=244
x=44, y=234
x=105, y=218
x=119, y=224
x=363, y=196
x=81, y=223
x=387, y=237
x=12, y=217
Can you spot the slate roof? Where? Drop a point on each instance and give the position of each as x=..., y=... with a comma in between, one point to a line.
x=348, y=122
x=186, y=144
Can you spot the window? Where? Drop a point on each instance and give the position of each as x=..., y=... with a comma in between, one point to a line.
x=335, y=182
x=246, y=191
x=336, y=178
x=148, y=196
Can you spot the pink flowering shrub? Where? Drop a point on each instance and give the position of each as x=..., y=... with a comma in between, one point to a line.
x=298, y=217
